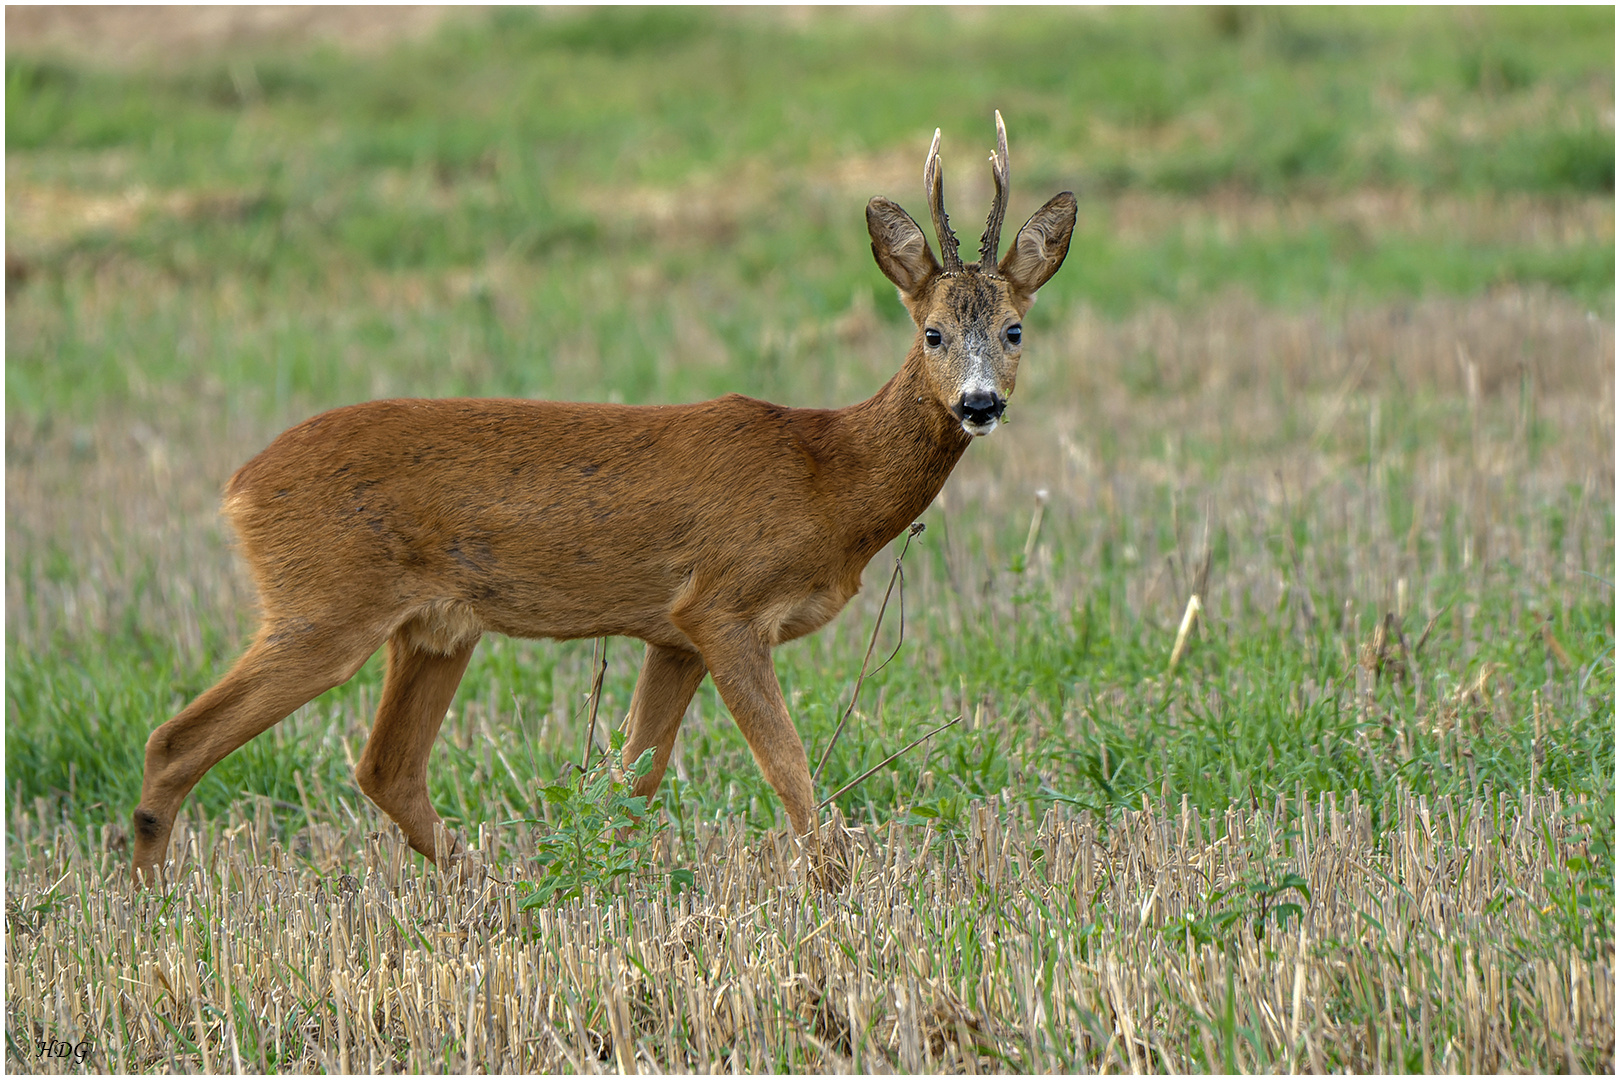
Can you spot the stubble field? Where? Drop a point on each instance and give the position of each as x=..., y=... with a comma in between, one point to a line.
x=1333, y=351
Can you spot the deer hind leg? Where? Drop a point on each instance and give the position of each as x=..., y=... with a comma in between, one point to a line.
x=290, y=662
x=417, y=689
x=669, y=678
x=740, y=662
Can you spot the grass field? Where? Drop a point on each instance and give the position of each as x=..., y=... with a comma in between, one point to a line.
x=1333, y=350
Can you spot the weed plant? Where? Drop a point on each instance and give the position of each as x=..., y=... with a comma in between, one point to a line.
x=590, y=838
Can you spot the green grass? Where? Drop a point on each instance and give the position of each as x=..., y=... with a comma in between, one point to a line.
x=652, y=94
x=517, y=140
x=665, y=204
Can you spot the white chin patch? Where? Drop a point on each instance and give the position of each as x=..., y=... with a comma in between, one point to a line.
x=979, y=429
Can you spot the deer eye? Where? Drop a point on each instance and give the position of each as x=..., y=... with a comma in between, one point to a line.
x=1015, y=334
x=931, y=336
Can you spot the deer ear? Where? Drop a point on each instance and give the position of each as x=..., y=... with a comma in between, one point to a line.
x=1041, y=245
x=899, y=246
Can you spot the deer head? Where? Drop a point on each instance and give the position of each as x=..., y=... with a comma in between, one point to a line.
x=969, y=316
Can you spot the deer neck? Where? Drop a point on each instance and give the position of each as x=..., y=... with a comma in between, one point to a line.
x=906, y=444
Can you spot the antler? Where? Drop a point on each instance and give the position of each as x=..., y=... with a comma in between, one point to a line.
x=934, y=185
x=998, y=209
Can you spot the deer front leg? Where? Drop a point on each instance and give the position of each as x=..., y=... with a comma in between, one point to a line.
x=739, y=659
x=418, y=686
x=669, y=678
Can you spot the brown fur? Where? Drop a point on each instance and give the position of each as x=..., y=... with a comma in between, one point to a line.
x=712, y=531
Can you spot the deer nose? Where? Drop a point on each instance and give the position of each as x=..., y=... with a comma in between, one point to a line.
x=981, y=407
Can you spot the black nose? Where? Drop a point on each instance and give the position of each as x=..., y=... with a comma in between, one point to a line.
x=981, y=407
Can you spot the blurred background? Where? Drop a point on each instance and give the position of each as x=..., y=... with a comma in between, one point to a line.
x=1334, y=341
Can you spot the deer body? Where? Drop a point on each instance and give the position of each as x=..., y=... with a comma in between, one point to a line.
x=711, y=531
x=547, y=519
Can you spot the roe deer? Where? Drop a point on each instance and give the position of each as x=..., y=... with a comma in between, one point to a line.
x=713, y=532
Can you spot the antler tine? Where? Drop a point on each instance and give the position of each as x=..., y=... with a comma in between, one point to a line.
x=991, y=240
x=934, y=185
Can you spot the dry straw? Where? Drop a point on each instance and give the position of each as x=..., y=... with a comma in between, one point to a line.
x=1009, y=945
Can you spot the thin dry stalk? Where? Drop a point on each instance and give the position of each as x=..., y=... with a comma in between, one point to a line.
x=1035, y=520
x=599, y=663
x=897, y=575
x=1188, y=618
x=913, y=744
x=1112, y=951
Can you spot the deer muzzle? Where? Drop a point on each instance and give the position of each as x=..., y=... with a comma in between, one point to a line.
x=980, y=411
